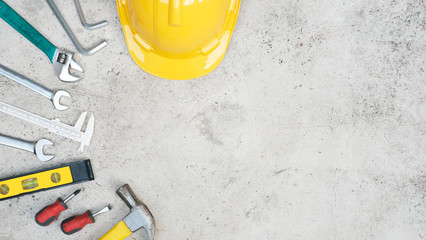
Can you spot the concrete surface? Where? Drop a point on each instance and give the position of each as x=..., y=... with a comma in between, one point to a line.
x=313, y=126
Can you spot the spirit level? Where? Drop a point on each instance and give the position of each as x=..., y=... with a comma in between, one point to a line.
x=72, y=173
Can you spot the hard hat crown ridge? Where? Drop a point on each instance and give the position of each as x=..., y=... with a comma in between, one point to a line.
x=178, y=39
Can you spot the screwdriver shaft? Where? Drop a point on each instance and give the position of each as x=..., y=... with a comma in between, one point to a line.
x=103, y=210
x=71, y=196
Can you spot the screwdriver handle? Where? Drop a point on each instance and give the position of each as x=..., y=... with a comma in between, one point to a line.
x=76, y=223
x=50, y=213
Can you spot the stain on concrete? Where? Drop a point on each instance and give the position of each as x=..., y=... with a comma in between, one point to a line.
x=219, y=120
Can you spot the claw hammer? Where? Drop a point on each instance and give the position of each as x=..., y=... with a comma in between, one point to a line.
x=139, y=217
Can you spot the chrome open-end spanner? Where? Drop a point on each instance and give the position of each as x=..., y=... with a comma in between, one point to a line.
x=53, y=95
x=34, y=147
x=61, y=59
x=55, y=125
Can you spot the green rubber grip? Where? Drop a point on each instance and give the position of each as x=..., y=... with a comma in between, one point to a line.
x=28, y=31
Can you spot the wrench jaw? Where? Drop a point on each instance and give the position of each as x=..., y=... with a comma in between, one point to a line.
x=62, y=62
x=56, y=99
x=38, y=150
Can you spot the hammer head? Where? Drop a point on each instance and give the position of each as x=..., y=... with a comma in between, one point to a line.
x=139, y=216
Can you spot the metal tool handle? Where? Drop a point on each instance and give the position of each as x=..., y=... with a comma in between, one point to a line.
x=17, y=143
x=21, y=79
x=71, y=35
x=28, y=31
x=83, y=19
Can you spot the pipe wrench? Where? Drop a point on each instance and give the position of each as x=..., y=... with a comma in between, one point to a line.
x=61, y=59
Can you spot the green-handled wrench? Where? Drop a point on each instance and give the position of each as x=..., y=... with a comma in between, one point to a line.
x=61, y=59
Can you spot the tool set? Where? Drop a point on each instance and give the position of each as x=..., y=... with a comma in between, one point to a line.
x=72, y=173
x=76, y=223
x=50, y=213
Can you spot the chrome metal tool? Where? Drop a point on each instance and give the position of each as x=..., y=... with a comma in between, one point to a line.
x=71, y=35
x=53, y=95
x=62, y=60
x=33, y=147
x=85, y=24
x=56, y=126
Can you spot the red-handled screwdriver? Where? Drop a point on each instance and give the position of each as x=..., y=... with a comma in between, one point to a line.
x=76, y=223
x=50, y=213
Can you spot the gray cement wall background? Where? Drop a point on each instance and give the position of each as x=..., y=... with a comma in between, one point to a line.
x=312, y=127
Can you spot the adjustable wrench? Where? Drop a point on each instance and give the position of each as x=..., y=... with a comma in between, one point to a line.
x=61, y=59
x=34, y=147
x=54, y=96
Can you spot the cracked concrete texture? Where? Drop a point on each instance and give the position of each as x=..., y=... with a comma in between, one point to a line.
x=312, y=127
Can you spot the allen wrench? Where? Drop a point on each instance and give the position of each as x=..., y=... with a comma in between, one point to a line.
x=85, y=24
x=71, y=35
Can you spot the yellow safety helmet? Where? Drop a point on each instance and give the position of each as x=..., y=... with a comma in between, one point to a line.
x=178, y=39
